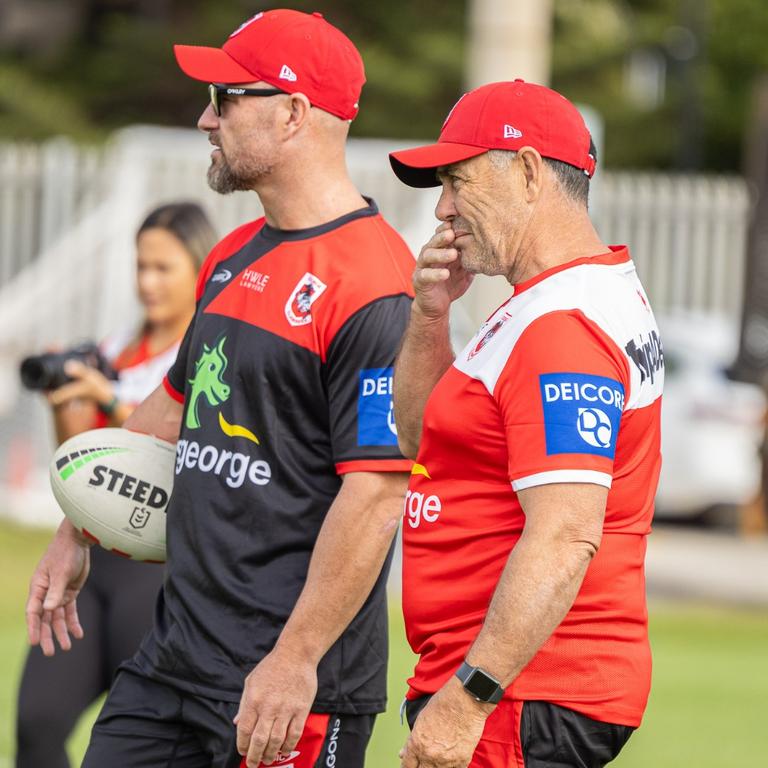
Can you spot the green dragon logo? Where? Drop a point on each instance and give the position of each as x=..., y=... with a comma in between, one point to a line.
x=208, y=381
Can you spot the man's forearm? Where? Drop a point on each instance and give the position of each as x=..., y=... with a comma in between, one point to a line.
x=425, y=356
x=159, y=414
x=536, y=590
x=347, y=559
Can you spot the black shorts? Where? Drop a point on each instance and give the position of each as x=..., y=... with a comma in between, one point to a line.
x=146, y=724
x=537, y=734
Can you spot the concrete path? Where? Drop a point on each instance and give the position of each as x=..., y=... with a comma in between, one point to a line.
x=707, y=565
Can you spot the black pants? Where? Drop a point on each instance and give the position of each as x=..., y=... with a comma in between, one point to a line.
x=147, y=724
x=556, y=737
x=115, y=609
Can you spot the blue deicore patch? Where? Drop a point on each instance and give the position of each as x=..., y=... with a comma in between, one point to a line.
x=375, y=416
x=581, y=413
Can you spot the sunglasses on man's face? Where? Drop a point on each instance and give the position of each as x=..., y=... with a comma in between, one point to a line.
x=218, y=93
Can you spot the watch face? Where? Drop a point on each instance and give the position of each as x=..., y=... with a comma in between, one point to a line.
x=481, y=685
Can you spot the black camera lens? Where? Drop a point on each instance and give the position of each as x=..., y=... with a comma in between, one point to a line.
x=47, y=371
x=44, y=371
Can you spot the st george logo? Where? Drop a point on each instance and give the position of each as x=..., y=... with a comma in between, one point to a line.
x=298, y=308
x=246, y=24
x=208, y=382
x=488, y=335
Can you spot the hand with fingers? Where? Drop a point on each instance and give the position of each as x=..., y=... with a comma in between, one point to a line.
x=277, y=696
x=87, y=384
x=447, y=730
x=439, y=278
x=51, y=610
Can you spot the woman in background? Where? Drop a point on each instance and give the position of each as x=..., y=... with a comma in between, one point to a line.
x=116, y=605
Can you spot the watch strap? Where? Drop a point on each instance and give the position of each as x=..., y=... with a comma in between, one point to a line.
x=466, y=672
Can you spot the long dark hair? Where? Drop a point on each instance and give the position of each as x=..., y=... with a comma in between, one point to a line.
x=186, y=221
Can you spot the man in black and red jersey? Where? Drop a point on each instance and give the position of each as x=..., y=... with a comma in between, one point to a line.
x=536, y=448
x=270, y=631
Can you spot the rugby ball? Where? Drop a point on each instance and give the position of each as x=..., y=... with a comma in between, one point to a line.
x=114, y=486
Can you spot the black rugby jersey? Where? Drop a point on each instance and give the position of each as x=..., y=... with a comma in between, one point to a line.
x=286, y=378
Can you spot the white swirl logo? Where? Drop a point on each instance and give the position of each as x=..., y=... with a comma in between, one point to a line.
x=391, y=419
x=594, y=427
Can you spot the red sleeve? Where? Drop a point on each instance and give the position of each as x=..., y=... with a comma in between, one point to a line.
x=561, y=395
x=172, y=391
x=377, y=465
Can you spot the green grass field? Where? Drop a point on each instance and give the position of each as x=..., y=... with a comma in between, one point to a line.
x=708, y=709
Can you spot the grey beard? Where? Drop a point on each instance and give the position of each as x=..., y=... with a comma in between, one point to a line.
x=222, y=179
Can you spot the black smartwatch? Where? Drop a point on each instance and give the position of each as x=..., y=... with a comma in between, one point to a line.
x=479, y=684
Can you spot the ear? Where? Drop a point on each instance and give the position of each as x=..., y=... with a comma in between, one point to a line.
x=297, y=114
x=220, y=347
x=206, y=348
x=532, y=167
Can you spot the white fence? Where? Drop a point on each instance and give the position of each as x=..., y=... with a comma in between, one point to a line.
x=68, y=217
x=43, y=191
x=687, y=235
x=72, y=210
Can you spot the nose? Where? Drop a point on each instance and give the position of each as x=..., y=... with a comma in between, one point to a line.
x=208, y=121
x=147, y=281
x=445, y=210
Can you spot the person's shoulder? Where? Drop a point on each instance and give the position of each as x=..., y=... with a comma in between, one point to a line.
x=379, y=235
x=363, y=264
x=237, y=238
x=368, y=258
x=228, y=245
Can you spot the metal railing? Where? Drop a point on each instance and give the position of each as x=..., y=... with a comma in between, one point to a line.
x=687, y=235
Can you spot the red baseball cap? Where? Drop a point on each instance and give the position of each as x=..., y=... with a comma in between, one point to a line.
x=296, y=52
x=507, y=115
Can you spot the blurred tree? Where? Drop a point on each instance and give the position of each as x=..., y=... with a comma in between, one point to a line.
x=672, y=78
x=702, y=58
x=120, y=69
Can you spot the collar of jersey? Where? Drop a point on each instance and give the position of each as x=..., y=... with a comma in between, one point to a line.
x=618, y=254
x=273, y=233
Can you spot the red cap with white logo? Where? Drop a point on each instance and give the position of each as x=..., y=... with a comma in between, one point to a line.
x=507, y=115
x=296, y=52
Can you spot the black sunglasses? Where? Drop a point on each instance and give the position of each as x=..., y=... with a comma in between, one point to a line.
x=219, y=92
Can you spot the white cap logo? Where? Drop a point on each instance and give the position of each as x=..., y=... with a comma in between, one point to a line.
x=510, y=132
x=286, y=73
x=445, y=122
x=246, y=24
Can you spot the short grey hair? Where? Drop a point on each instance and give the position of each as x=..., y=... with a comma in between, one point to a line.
x=572, y=180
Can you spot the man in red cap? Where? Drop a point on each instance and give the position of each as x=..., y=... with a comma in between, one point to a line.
x=536, y=449
x=270, y=634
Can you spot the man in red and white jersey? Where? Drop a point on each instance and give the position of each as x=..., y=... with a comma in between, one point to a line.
x=536, y=448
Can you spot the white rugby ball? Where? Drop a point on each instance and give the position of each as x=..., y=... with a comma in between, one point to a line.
x=114, y=486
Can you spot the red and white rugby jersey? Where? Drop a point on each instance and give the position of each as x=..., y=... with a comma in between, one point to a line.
x=138, y=371
x=562, y=384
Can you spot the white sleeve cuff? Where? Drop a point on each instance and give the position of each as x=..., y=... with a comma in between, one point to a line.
x=563, y=476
